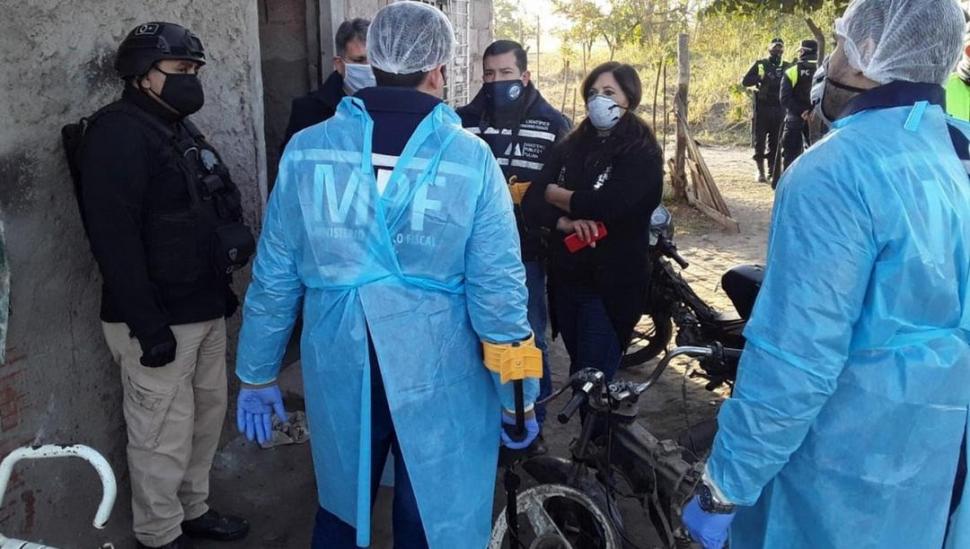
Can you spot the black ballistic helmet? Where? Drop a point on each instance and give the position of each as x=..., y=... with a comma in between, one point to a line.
x=150, y=43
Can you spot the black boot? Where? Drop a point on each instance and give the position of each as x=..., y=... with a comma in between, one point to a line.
x=212, y=525
x=180, y=542
x=761, y=171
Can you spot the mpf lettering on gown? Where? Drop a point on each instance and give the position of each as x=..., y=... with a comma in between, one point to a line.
x=340, y=200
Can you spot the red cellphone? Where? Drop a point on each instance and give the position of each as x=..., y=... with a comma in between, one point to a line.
x=574, y=244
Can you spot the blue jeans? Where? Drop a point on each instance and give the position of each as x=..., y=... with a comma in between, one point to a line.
x=330, y=532
x=535, y=282
x=587, y=332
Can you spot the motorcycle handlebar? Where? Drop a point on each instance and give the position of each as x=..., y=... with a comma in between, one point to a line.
x=567, y=412
x=680, y=260
x=679, y=351
x=731, y=354
x=669, y=249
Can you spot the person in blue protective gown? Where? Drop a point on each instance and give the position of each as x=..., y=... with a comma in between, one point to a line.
x=846, y=425
x=392, y=229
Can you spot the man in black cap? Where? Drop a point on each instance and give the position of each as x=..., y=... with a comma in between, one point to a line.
x=764, y=78
x=796, y=97
x=164, y=220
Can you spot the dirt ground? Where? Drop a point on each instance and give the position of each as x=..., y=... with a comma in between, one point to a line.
x=275, y=488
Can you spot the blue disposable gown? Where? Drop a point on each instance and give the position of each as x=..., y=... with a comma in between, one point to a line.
x=845, y=426
x=429, y=264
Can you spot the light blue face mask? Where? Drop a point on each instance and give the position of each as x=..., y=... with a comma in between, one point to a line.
x=358, y=76
x=603, y=111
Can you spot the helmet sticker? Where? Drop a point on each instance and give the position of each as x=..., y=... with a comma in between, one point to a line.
x=148, y=29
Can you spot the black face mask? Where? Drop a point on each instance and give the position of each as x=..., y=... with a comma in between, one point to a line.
x=776, y=59
x=503, y=95
x=851, y=89
x=835, y=97
x=182, y=92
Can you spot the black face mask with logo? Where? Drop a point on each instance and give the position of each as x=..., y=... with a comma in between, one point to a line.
x=503, y=96
x=182, y=92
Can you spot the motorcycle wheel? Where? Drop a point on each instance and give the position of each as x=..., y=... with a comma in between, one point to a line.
x=650, y=338
x=555, y=516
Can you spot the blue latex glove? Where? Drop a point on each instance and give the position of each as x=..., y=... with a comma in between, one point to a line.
x=254, y=411
x=510, y=440
x=708, y=529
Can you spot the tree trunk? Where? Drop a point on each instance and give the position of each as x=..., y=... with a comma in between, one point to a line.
x=679, y=177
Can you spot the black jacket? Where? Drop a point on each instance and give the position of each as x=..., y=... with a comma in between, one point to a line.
x=614, y=182
x=796, y=88
x=766, y=76
x=520, y=141
x=133, y=188
x=316, y=106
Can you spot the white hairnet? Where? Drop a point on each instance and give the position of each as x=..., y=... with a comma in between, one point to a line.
x=409, y=37
x=910, y=40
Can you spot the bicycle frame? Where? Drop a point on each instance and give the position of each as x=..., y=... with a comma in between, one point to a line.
x=49, y=451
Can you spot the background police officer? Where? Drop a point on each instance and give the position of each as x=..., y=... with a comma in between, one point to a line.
x=764, y=77
x=796, y=97
x=164, y=223
x=520, y=127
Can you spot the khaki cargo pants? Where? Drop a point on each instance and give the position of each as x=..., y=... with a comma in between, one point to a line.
x=174, y=416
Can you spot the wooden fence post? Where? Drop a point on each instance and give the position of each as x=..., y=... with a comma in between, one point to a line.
x=656, y=91
x=679, y=177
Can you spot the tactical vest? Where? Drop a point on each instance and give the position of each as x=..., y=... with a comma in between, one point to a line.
x=770, y=75
x=206, y=237
x=801, y=75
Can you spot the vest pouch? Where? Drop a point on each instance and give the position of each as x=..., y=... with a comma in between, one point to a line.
x=233, y=246
x=172, y=248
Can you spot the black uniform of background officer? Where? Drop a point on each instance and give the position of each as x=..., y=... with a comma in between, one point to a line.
x=796, y=97
x=164, y=222
x=765, y=77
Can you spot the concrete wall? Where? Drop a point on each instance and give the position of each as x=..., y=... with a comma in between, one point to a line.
x=58, y=383
x=482, y=34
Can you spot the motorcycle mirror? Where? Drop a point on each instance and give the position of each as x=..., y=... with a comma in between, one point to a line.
x=660, y=217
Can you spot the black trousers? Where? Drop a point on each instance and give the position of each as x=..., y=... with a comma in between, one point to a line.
x=765, y=129
x=794, y=140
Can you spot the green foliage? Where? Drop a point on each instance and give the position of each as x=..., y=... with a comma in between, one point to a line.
x=510, y=23
x=723, y=44
x=619, y=26
x=586, y=25
x=760, y=6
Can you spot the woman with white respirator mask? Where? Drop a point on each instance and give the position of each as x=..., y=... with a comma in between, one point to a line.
x=592, y=201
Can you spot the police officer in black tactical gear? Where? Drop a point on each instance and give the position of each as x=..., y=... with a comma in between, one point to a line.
x=796, y=97
x=764, y=77
x=165, y=225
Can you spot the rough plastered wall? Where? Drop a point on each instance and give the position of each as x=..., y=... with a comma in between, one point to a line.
x=58, y=383
x=482, y=34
